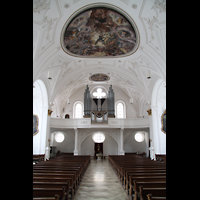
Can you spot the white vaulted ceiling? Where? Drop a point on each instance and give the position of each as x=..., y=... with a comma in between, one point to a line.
x=70, y=73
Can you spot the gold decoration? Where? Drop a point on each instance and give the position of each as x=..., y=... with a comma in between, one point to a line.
x=163, y=121
x=149, y=111
x=35, y=124
x=49, y=112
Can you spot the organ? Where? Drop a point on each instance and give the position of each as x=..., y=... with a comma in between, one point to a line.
x=99, y=108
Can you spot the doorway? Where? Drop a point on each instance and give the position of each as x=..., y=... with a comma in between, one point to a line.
x=98, y=149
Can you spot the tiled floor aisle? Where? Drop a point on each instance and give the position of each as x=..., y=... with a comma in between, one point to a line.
x=100, y=182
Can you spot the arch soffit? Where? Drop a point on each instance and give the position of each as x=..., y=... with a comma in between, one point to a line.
x=105, y=132
x=44, y=92
x=155, y=91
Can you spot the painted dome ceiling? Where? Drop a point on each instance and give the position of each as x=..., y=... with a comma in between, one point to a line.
x=99, y=32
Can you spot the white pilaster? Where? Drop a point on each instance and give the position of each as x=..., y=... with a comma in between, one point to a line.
x=121, y=152
x=76, y=142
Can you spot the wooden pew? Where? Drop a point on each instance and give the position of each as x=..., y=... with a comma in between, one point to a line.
x=130, y=171
x=161, y=157
x=38, y=184
x=38, y=157
x=147, y=184
x=149, y=197
x=132, y=176
x=156, y=192
x=56, y=179
x=56, y=197
x=141, y=170
x=49, y=192
x=59, y=171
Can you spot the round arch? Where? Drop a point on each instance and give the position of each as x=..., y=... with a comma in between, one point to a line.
x=158, y=105
x=104, y=132
x=124, y=108
x=40, y=108
x=110, y=145
x=74, y=108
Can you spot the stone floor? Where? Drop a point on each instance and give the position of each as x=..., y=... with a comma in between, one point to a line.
x=100, y=182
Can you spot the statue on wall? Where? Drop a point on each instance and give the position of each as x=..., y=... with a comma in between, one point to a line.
x=163, y=121
x=35, y=124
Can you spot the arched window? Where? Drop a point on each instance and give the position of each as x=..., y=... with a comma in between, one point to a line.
x=78, y=109
x=120, y=109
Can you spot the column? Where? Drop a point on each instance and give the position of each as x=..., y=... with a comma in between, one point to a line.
x=121, y=152
x=76, y=142
x=48, y=114
x=155, y=132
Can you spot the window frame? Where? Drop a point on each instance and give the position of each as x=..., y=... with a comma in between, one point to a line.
x=74, y=110
x=124, y=109
x=142, y=134
x=93, y=137
x=57, y=134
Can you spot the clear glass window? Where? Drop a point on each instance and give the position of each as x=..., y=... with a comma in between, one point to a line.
x=78, y=110
x=59, y=137
x=139, y=137
x=98, y=137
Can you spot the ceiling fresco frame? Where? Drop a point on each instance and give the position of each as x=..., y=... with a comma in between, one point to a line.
x=99, y=77
x=100, y=5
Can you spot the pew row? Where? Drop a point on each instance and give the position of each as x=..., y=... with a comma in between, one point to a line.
x=56, y=197
x=65, y=171
x=134, y=171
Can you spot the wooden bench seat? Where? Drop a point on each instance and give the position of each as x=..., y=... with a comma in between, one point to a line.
x=61, y=172
x=132, y=176
x=49, y=192
x=148, y=184
x=135, y=171
x=42, y=184
x=156, y=192
x=143, y=179
x=56, y=197
x=56, y=178
x=150, y=197
x=65, y=171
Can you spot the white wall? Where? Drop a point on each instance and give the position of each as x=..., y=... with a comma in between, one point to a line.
x=131, y=145
x=67, y=145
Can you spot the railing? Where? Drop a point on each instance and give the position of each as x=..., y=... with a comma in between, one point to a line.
x=112, y=123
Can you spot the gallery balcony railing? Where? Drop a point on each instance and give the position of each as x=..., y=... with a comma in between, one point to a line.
x=111, y=123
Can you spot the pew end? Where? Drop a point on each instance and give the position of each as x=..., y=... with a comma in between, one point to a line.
x=56, y=197
x=149, y=197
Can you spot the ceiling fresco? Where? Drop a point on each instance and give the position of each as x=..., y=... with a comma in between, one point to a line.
x=99, y=32
x=99, y=77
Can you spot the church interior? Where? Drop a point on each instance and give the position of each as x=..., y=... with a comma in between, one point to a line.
x=99, y=94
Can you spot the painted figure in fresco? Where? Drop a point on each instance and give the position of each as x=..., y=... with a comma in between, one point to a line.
x=99, y=32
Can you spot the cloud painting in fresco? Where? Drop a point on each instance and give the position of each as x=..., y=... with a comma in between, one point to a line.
x=99, y=32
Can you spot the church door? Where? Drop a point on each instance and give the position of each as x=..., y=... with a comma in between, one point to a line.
x=98, y=148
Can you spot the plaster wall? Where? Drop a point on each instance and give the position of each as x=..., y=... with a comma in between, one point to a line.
x=67, y=145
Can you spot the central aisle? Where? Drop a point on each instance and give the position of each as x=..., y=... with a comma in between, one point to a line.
x=100, y=183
